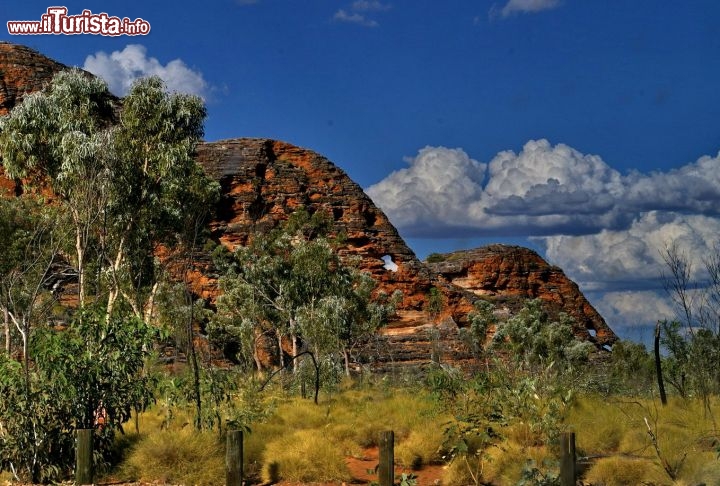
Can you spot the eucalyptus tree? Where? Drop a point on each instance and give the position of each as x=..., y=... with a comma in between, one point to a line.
x=29, y=246
x=291, y=284
x=532, y=338
x=123, y=172
x=60, y=137
x=692, y=340
x=121, y=180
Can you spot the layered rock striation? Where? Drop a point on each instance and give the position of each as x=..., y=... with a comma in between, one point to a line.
x=512, y=274
x=23, y=71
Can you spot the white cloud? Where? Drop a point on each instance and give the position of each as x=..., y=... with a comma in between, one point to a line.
x=121, y=68
x=633, y=257
x=358, y=12
x=543, y=190
x=354, y=18
x=634, y=309
x=436, y=187
x=524, y=6
x=548, y=180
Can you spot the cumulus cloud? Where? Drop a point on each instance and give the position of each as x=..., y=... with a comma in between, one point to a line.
x=634, y=309
x=544, y=180
x=514, y=7
x=633, y=257
x=121, y=68
x=448, y=176
x=543, y=190
x=358, y=12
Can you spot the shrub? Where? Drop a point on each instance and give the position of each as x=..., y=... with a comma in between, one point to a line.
x=422, y=447
x=701, y=467
x=183, y=456
x=603, y=425
x=624, y=471
x=304, y=456
x=507, y=462
x=460, y=471
x=435, y=258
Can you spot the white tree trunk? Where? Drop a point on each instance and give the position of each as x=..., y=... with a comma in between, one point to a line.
x=6, y=315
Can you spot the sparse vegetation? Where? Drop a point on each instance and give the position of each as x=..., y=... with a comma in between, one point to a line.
x=435, y=258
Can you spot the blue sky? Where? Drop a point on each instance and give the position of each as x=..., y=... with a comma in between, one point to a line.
x=585, y=129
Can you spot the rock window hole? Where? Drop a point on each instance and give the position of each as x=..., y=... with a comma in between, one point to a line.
x=389, y=263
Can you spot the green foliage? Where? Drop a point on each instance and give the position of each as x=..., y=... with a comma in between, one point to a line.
x=290, y=285
x=531, y=338
x=691, y=365
x=97, y=365
x=29, y=247
x=631, y=370
x=475, y=335
x=445, y=381
x=543, y=475
x=435, y=303
x=693, y=339
x=36, y=445
x=506, y=406
x=136, y=171
x=93, y=367
x=408, y=479
x=435, y=258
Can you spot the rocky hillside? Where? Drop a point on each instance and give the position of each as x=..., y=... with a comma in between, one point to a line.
x=263, y=181
x=511, y=274
x=22, y=71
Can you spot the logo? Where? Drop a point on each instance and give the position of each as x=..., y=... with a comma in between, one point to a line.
x=56, y=21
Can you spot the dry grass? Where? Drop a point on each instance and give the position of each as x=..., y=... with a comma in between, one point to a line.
x=177, y=456
x=304, y=442
x=683, y=431
x=623, y=471
x=304, y=456
x=422, y=446
x=460, y=471
x=504, y=463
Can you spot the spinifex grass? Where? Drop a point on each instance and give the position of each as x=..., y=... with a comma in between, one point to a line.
x=644, y=441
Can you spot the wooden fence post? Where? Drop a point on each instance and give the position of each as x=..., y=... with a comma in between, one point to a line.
x=567, y=459
x=84, y=456
x=386, y=468
x=234, y=458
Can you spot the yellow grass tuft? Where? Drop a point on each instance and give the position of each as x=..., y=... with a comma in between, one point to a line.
x=506, y=462
x=421, y=447
x=460, y=471
x=304, y=456
x=623, y=471
x=178, y=457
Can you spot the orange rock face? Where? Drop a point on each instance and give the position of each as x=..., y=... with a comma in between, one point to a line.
x=511, y=273
x=22, y=71
x=263, y=181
